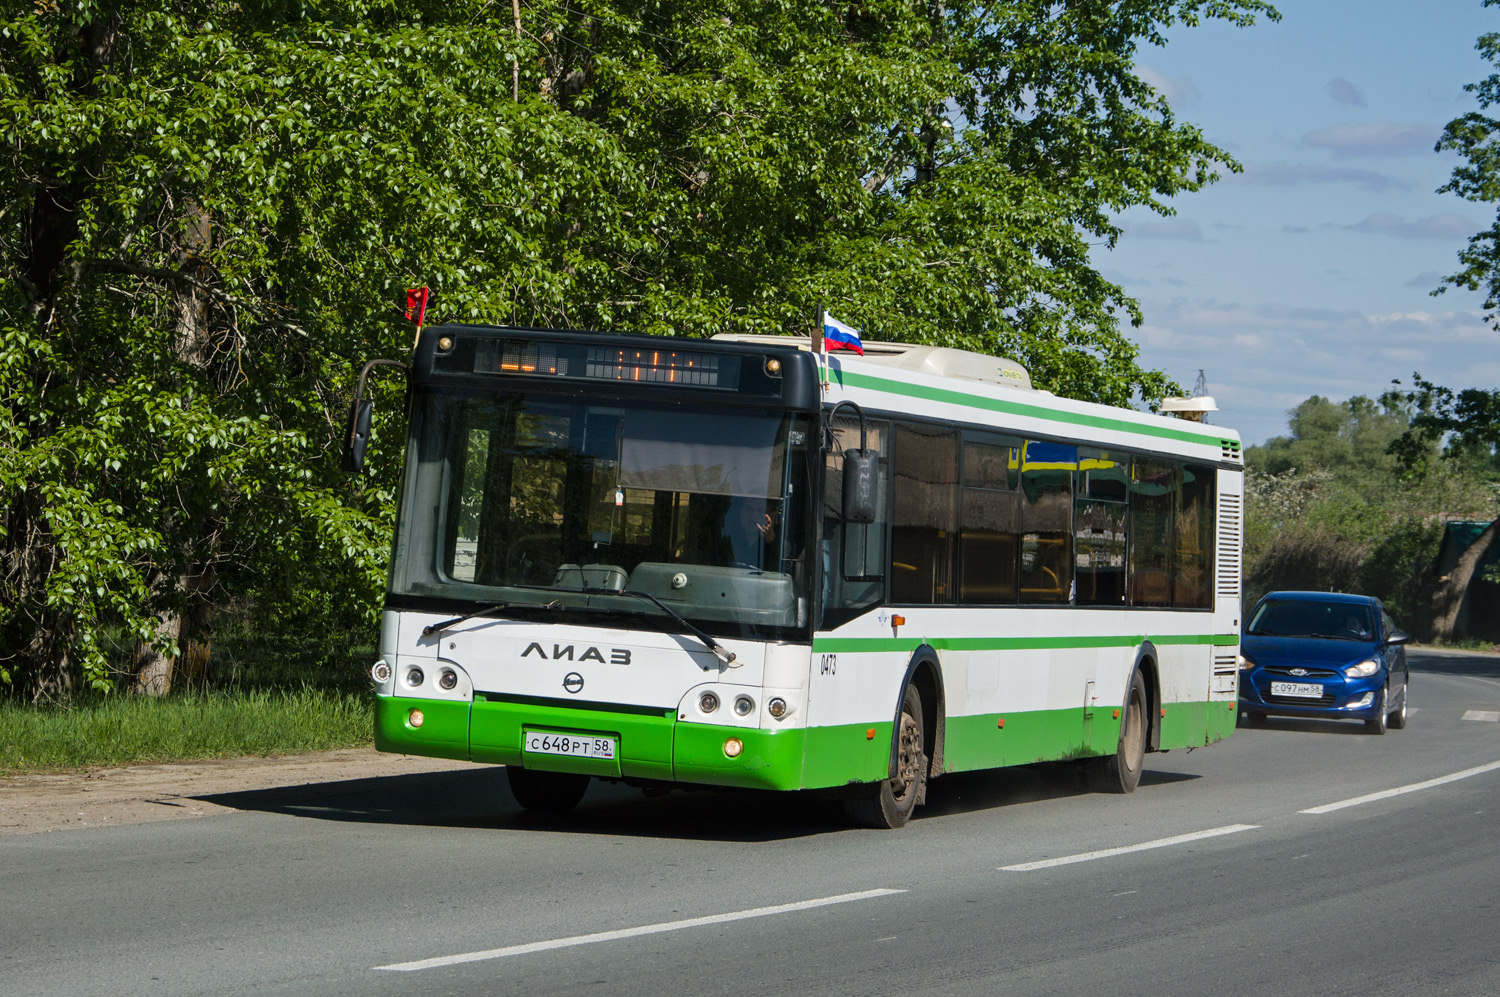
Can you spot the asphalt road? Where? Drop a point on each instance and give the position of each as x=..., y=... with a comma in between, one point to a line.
x=438, y=884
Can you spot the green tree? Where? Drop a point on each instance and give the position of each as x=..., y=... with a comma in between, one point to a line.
x=1477, y=178
x=1336, y=504
x=1465, y=423
x=211, y=208
x=1343, y=438
x=1465, y=427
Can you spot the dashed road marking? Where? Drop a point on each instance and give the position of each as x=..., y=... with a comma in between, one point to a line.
x=1398, y=791
x=1104, y=853
x=645, y=929
x=1490, y=715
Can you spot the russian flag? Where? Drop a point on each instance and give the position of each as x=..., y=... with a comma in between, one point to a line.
x=838, y=336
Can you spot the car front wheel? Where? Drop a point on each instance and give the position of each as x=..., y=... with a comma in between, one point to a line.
x=1396, y=719
x=1376, y=723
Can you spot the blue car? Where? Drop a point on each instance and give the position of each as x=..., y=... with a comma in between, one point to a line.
x=1325, y=655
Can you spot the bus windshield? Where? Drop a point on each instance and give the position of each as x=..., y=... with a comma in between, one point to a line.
x=534, y=498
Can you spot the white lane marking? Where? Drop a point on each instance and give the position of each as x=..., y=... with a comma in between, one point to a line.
x=1105, y=853
x=1490, y=715
x=645, y=929
x=1399, y=790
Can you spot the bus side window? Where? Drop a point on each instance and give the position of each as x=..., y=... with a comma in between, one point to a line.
x=989, y=536
x=1099, y=524
x=1153, y=500
x=924, y=526
x=1046, y=522
x=853, y=553
x=1192, y=576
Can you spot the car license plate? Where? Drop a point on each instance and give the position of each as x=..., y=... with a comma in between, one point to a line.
x=1303, y=690
x=551, y=742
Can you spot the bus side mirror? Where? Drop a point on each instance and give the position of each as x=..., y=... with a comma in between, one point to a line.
x=357, y=434
x=861, y=485
x=358, y=437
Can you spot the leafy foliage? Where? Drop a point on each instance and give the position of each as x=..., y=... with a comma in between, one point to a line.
x=1336, y=503
x=1473, y=136
x=1464, y=425
x=211, y=208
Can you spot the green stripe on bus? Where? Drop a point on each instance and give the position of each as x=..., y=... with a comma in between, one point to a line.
x=888, y=644
x=951, y=397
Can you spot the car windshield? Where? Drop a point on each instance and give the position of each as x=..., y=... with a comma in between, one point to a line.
x=1305, y=618
x=518, y=497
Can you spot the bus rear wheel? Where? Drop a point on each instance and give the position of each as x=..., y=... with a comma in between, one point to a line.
x=1121, y=771
x=546, y=792
x=890, y=803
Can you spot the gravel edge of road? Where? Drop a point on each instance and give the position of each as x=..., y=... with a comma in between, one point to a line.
x=136, y=794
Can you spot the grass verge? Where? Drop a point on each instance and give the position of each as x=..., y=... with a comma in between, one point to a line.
x=129, y=730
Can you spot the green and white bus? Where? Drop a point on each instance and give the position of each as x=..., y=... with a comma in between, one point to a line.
x=741, y=562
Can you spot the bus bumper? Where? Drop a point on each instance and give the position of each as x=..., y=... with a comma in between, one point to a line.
x=652, y=744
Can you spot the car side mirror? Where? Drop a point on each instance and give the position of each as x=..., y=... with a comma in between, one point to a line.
x=1398, y=637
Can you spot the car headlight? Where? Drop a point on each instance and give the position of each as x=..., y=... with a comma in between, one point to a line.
x=1362, y=669
x=1245, y=663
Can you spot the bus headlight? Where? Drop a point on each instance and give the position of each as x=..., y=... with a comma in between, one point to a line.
x=708, y=702
x=744, y=705
x=414, y=676
x=776, y=707
x=447, y=679
x=380, y=672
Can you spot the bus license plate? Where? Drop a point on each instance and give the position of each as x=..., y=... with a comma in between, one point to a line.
x=1303, y=690
x=549, y=742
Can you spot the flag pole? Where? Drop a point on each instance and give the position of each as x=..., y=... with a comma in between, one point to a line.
x=416, y=300
x=820, y=357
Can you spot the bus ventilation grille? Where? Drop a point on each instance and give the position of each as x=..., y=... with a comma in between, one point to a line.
x=1225, y=664
x=1231, y=451
x=1229, y=547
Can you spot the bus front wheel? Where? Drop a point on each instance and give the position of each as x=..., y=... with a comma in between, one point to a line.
x=546, y=792
x=1121, y=771
x=889, y=804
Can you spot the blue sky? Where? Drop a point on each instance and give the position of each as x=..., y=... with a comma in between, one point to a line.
x=1311, y=272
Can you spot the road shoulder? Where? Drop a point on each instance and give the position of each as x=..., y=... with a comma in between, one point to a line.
x=143, y=793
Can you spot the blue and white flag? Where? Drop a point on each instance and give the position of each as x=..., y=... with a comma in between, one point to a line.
x=838, y=336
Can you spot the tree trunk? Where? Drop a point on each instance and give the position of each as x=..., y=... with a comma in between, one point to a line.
x=153, y=666
x=155, y=671
x=1453, y=588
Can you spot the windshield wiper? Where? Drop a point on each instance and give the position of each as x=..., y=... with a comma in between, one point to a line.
x=494, y=607
x=727, y=657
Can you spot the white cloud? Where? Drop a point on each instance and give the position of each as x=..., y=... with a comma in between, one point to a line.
x=1182, y=229
x=1264, y=358
x=1178, y=91
x=1345, y=92
x=1292, y=174
x=1426, y=280
x=1374, y=138
x=1442, y=226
